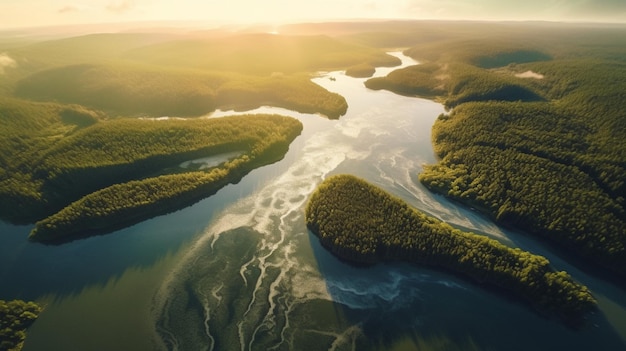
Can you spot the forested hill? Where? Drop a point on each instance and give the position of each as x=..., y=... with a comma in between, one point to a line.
x=361, y=223
x=100, y=162
x=126, y=74
x=537, y=134
x=50, y=162
x=71, y=139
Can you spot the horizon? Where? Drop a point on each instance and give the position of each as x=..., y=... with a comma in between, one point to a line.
x=29, y=14
x=186, y=27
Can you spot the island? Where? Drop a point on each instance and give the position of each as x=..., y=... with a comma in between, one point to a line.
x=363, y=224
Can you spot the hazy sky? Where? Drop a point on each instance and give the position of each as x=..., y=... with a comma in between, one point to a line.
x=27, y=13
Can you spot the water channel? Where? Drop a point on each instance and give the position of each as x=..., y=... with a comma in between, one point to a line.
x=240, y=271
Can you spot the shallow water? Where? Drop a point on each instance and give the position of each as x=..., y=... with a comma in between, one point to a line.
x=240, y=271
x=211, y=161
x=259, y=280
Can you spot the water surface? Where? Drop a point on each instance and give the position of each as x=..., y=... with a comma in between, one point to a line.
x=240, y=271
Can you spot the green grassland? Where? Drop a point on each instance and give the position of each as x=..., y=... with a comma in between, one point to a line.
x=545, y=153
x=361, y=223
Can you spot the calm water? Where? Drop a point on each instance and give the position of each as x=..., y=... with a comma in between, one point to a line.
x=240, y=271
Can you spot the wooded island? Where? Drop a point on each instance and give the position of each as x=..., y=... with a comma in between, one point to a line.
x=361, y=223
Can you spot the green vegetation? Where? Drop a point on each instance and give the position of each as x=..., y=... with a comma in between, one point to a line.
x=264, y=139
x=457, y=82
x=15, y=317
x=142, y=90
x=418, y=80
x=131, y=148
x=186, y=75
x=68, y=145
x=469, y=83
x=537, y=168
x=53, y=164
x=28, y=129
x=547, y=153
x=361, y=71
x=361, y=223
x=262, y=54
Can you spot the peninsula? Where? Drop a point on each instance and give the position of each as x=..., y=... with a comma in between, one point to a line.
x=361, y=223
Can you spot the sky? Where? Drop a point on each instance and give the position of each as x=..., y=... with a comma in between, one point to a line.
x=36, y=13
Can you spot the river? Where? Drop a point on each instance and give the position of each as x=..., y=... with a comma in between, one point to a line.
x=240, y=271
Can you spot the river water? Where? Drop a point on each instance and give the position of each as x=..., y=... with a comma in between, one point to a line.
x=240, y=271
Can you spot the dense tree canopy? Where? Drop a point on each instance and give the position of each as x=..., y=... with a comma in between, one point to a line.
x=419, y=80
x=545, y=150
x=127, y=74
x=59, y=169
x=361, y=223
x=135, y=89
x=157, y=144
x=15, y=317
x=554, y=168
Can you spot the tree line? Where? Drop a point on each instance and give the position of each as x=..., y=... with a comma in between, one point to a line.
x=55, y=170
x=119, y=201
x=555, y=168
x=362, y=223
x=546, y=155
x=139, y=90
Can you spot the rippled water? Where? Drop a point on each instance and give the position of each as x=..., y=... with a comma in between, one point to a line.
x=256, y=279
x=240, y=271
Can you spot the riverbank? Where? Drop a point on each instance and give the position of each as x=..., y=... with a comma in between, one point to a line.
x=123, y=204
x=541, y=155
x=361, y=223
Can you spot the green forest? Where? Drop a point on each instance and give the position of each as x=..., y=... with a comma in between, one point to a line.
x=75, y=135
x=15, y=317
x=536, y=136
x=84, y=164
x=136, y=74
x=124, y=157
x=49, y=163
x=361, y=223
x=143, y=90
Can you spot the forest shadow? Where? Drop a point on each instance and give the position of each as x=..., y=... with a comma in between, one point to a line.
x=35, y=269
x=409, y=307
